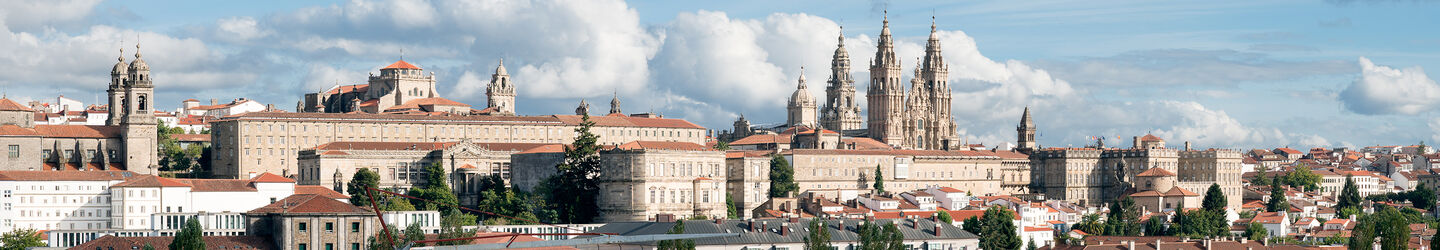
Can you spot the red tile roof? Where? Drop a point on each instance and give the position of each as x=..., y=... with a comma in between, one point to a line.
x=321, y=191
x=13, y=130
x=308, y=203
x=663, y=145
x=571, y=120
x=7, y=105
x=865, y=143
x=1150, y=137
x=548, y=148
x=349, y=88
x=1268, y=218
x=1155, y=172
x=401, y=64
x=950, y=190
x=78, y=131
x=762, y=139
x=191, y=137
x=268, y=177
x=629, y=121
x=151, y=181
x=422, y=146
x=21, y=175
x=1177, y=191
x=1288, y=151
x=163, y=242
x=746, y=153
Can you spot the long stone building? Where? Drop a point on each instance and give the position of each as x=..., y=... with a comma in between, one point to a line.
x=641, y=180
x=1096, y=175
x=126, y=142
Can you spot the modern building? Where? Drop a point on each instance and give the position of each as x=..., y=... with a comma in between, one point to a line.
x=192, y=107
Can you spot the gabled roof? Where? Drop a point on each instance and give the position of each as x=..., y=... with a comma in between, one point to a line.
x=8, y=105
x=78, y=131
x=1177, y=191
x=13, y=130
x=1155, y=172
x=401, y=64
x=151, y=181
x=308, y=203
x=163, y=242
x=763, y=139
x=268, y=177
x=663, y=145
x=319, y=190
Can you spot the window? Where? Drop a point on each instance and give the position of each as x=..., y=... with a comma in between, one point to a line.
x=354, y=227
x=354, y=246
x=329, y=246
x=302, y=229
x=14, y=151
x=302, y=247
x=329, y=227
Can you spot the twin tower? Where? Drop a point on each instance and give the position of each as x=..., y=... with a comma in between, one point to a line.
x=917, y=118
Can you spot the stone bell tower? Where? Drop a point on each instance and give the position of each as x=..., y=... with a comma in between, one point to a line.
x=137, y=112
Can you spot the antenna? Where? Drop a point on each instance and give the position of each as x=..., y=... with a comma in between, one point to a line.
x=402, y=54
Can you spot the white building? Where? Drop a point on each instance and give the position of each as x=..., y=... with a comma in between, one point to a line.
x=949, y=198
x=192, y=107
x=78, y=206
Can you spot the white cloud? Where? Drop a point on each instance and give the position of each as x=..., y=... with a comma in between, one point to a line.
x=1170, y=67
x=469, y=85
x=322, y=77
x=27, y=15
x=60, y=60
x=1385, y=90
x=239, y=29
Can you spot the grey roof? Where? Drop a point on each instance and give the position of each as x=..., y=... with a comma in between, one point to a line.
x=797, y=233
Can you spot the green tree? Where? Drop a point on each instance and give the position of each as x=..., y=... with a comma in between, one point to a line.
x=819, y=237
x=873, y=236
x=972, y=225
x=1389, y=227
x=722, y=146
x=436, y=191
x=998, y=231
x=379, y=241
x=190, y=237
x=1155, y=226
x=148, y=247
x=1091, y=225
x=943, y=215
x=451, y=227
x=1261, y=177
x=21, y=239
x=1349, y=202
x=497, y=198
x=1302, y=177
x=1422, y=198
x=1031, y=245
x=359, y=186
x=413, y=233
x=575, y=186
x=893, y=239
x=683, y=244
x=1256, y=232
x=731, y=210
x=396, y=203
x=1214, y=199
x=1123, y=219
x=782, y=177
x=879, y=180
x=1277, y=201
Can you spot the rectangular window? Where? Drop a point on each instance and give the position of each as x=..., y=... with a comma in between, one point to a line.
x=302, y=247
x=354, y=227
x=14, y=151
x=329, y=227
x=302, y=227
x=329, y=246
x=354, y=246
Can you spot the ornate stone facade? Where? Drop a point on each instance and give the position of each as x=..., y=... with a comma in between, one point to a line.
x=500, y=94
x=1098, y=175
x=917, y=119
x=840, y=113
x=801, y=106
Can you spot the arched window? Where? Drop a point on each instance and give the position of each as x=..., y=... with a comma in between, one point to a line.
x=141, y=102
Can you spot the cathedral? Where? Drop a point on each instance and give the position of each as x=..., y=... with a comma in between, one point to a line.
x=404, y=88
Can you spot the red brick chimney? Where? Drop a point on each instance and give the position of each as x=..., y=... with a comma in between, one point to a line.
x=937, y=229
x=784, y=229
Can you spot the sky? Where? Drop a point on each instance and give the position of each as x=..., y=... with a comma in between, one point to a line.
x=1222, y=74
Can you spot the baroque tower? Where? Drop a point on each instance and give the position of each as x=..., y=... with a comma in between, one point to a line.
x=583, y=109
x=802, y=106
x=501, y=93
x=398, y=83
x=615, y=105
x=116, y=92
x=886, y=94
x=1025, y=134
x=932, y=126
x=136, y=110
x=840, y=112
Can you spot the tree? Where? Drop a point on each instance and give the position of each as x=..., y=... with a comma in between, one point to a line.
x=879, y=180
x=1214, y=199
x=892, y=237
x=972, y=225
x=574, y=189
x=1256, y=232
x=998, y=231
x=1302, y=177
x=1155, y=226
x=722, y=146
x=497, y=198
x=876, y=237
x=413, y=233
x=21, y=239
x=1389, y=227
x=1091, y=225
x=1261, y=177
x=1277, y=201
x=359, y=186
x=682, y=244
x=782, y=177
x=863, y=181
x=1422, y=198
x=148, y=247
x=396, y=203
x=1349, y=198
x=819, y=238
x=1123, y=218
x=1031, y=245
x=190, y=237
x=436, y=191
x=943, y=215
x=451, y=227
x=731, y=210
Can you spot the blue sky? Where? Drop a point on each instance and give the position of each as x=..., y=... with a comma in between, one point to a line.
x=1232, y=74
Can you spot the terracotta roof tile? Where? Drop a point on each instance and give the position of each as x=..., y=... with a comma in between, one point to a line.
x=663, y=145
x=13, y=130
x=1150, y=137
x=219, y=185
x=1177, y=191
x=401, y=64
x=8, y=105
x=865, y=143
x=163, y=242
x=268, y=177
x=20, y=175
x=1155, y=172
x=629, y=121
x=746, y=153
x=151, y=181
x=308, y=203
x=319, y=190
x=950, y=190
x=78, y=131
x=762, y=139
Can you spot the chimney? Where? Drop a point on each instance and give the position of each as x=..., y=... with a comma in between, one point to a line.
x=764, y=225
x=751, y=225
x=794, y=219
x=784, y=229
x=1130, y=244
x=719, y=221
x=1244, y=240
x=1157, y=244
x=214, y=102
x=1207, y=244
x=937, y=229
x=1136, y=141
x=914, y=223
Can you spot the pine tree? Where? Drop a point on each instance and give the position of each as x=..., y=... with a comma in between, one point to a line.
x=819, y=237
x=731, y=210
x=782, y=177
x=1155, y=226
x=1214, y=199
x=359, y=186
x=1261, y=177
x=879, y=180
x=1277, y=199
x=1349, y=198
x=972, y=225
x=998, y=231
x=190, y=237
x=682, y=244
x=575, y=186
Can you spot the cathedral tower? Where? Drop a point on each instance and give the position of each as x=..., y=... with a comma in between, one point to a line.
x=116, y=92
x=802, y=106
x=841, y=113
x=1025, y=134
x=138, y=124
x=501, y=93
x=583, y=109
x=934, y=127
x=615, y=105
x=886, y=94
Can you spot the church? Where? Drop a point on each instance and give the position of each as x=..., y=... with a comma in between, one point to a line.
x=127, y=141
x=405, y=88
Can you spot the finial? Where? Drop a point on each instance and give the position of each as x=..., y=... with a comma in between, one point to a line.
x=932, y=21
x=842, y=36
x=887, y=17
x=137, y=47
x=402, y=54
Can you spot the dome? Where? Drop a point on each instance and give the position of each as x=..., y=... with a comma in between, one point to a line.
x=500, y=70
x=138, y=64
x=801, y=96
x=120, y=66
